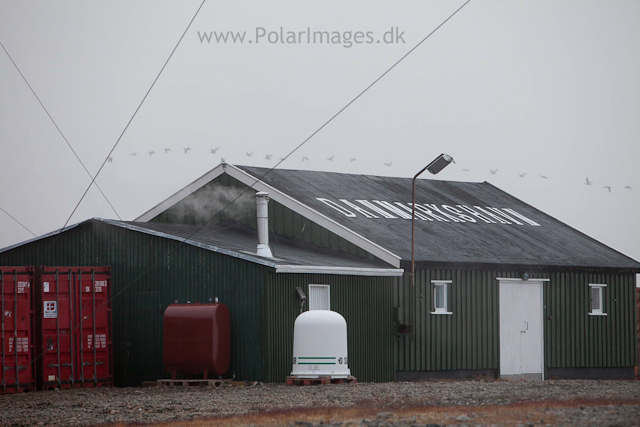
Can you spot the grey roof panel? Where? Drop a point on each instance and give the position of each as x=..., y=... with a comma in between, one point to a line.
x=242, y=239
x=549, y=242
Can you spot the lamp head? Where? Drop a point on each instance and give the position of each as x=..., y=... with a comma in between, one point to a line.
x=439, y=163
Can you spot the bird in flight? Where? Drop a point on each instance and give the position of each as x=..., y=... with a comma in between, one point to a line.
x=213, y=150
x=388, y=164
x=133, y=154
x=493, y=171
x=268, y=156
x=249, y=154
x=608, y=187
x=110, y=160
x=353, y=159
x=151, y=153
x=465, y=170
x=166, y=150
x=186, y=149
x=627, y=187
x=331, y=158
x=304, y=158
x=521, y=175
x=588, y=182
x=543, y=177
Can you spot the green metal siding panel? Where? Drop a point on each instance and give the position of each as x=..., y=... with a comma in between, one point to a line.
x=467, y=339
x=365, y=303
x=573, y=338
x=141, y=292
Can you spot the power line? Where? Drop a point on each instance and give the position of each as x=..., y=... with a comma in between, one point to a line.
x=21, y=224
x=177, y=243
x=284, y=158
x=293, y=151
x=367, y=88
x=133, y=116
x=107, y=158
x=56, y=125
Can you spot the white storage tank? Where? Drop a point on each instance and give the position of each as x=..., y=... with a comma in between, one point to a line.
x=320, y=345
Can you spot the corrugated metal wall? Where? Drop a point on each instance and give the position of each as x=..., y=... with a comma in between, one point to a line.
x=263, y=307
x=469, y=338
x=140, y=298
x=575, y=339
x=365, y=303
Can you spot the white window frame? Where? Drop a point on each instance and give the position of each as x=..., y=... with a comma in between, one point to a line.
x=328, y=287
x=446, y=284
x=597, y=311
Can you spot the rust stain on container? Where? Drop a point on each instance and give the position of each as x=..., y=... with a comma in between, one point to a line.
x=16, y=330
x=197, y=339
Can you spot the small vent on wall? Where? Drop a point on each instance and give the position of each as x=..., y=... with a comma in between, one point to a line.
x=319, y=297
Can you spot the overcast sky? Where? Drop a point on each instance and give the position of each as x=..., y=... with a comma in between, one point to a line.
x=546, y=88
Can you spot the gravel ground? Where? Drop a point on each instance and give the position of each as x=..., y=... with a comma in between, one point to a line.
x=591, y=402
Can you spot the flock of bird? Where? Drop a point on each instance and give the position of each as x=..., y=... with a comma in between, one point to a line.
x=248, y=154
x=587, y=180
x=351, y=160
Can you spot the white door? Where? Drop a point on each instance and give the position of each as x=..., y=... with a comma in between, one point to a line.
x=521, y=333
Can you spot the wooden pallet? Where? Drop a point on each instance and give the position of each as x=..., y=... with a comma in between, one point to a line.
x=322, y=379
x=205, y=383
x=195, y=383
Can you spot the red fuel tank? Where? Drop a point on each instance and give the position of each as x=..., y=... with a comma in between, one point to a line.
x=197, y=339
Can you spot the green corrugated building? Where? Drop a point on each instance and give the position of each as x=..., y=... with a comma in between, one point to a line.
x=501, y=288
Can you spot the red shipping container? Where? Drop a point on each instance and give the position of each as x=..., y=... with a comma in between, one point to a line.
x=74, y=327
x=18, y=368
x=197, y=339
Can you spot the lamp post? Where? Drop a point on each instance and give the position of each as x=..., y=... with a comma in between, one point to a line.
x=439, y=163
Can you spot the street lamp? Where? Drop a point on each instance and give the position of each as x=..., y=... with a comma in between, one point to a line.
x=439, y=163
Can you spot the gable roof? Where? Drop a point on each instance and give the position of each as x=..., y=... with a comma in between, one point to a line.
x=282, y=198
x=456, y=222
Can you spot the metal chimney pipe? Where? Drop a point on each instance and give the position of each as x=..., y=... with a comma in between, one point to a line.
x=262, y=209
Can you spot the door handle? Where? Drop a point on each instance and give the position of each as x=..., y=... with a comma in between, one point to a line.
x=526, y=327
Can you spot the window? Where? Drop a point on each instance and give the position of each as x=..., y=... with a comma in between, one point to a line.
x=596, y=294
x=319, y=297
x=441, y=296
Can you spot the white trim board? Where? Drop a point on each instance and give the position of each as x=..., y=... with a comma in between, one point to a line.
x=280, y=197
x=516, y=279
x=353, y=271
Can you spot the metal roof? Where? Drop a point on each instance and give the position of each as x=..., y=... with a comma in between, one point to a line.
x=280, y=197
x=240, y=241
x=458, y=222
x=290, y=255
